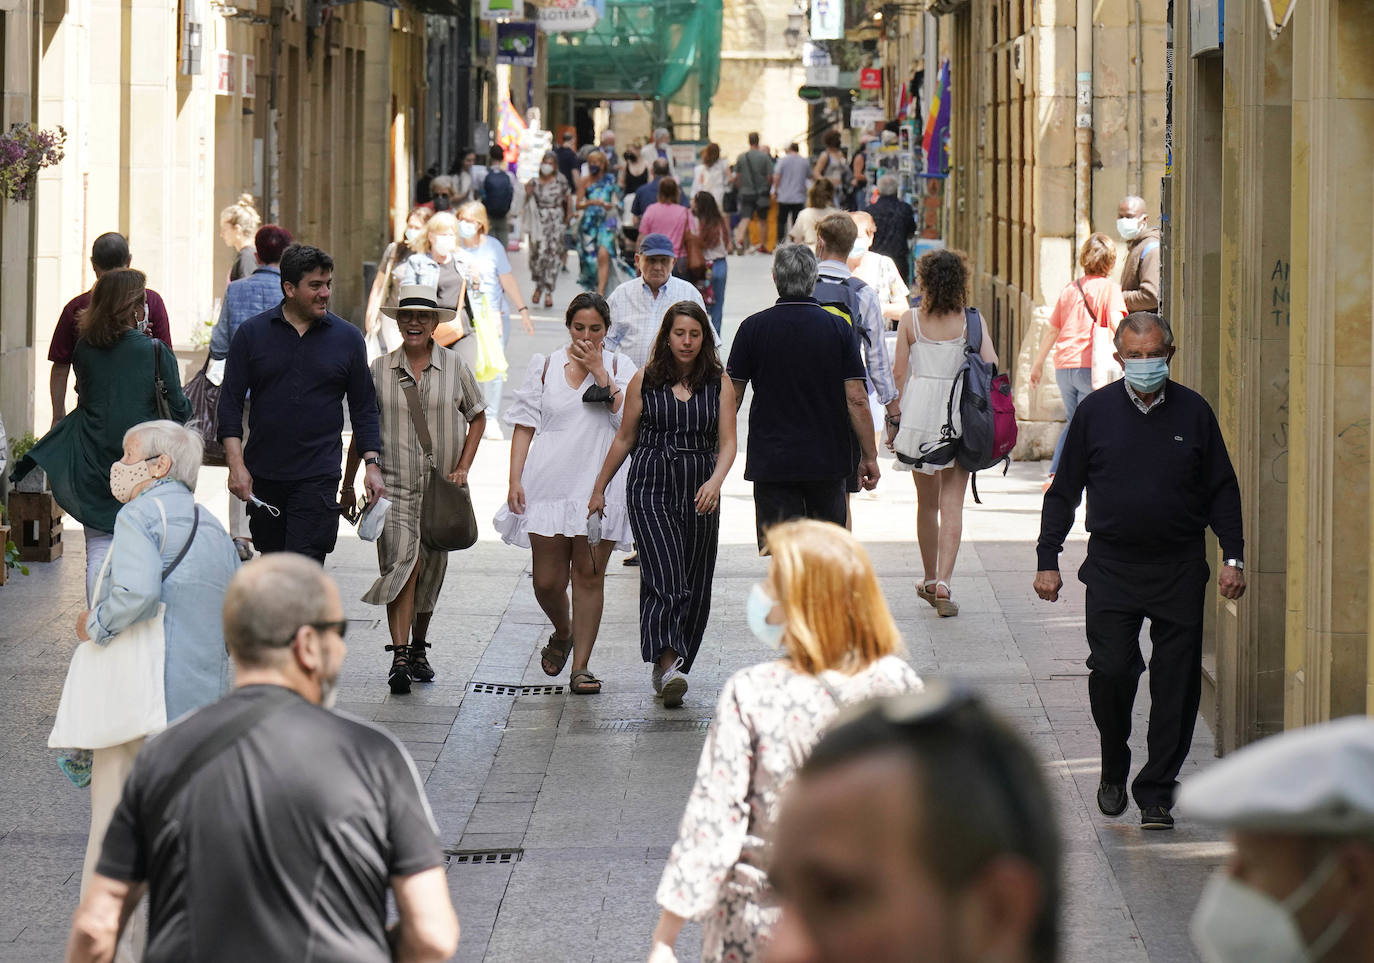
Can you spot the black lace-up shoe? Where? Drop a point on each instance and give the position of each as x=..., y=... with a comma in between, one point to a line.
x=1111, y=798
x=420, y=669
x=399, y=676
x=1155, y=817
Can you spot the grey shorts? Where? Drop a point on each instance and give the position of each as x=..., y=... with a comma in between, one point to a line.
x=751, y=204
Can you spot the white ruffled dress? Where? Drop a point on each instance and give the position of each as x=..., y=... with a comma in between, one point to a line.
x=571, y=439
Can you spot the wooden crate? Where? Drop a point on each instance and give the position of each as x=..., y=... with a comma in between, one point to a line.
x=37, y=526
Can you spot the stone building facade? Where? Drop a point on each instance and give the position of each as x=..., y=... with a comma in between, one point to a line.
x=1271, y=290
x=1022, y=195
x=759, y=78
x=312, y=109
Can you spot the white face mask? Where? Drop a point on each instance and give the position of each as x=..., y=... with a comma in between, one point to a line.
x=1235, y=923
x=443, y=244
x=413, y=235
x=1129, y=227
x=546, y=169
x=467, y=230
x=757, y=608
x=861, y=245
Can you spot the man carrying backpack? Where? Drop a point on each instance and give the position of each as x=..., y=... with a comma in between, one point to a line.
x=842, y=294
x=498, y=191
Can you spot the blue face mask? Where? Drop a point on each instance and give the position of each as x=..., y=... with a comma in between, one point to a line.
x=1146, y=374
x=758, y=607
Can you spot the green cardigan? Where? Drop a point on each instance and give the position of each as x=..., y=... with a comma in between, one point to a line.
x=115, y=391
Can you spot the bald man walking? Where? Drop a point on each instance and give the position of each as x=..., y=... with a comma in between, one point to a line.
x=1140, y=271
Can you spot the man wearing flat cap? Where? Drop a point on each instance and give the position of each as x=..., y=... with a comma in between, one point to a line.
x=638, y=306
x=1299, y=808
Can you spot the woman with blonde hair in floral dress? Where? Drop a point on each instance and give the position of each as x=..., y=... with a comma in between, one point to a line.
x=822, y=607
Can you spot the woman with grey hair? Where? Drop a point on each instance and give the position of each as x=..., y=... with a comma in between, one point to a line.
x=894, y=224
x=167, y=551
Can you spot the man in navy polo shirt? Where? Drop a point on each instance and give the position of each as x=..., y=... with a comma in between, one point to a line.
x=810, y=400
x=300, y=363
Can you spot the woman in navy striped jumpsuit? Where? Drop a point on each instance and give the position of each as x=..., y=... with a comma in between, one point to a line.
x=680, y=423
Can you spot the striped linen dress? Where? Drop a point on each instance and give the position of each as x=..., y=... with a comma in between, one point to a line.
x=451, y=398
x=674, y=455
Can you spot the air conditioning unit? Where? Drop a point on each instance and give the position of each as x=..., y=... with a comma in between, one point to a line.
x=1206, y=27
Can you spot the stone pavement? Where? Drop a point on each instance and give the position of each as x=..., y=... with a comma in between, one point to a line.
x=558, y=809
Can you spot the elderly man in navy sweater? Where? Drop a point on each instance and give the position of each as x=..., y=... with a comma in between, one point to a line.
x=1151, y=456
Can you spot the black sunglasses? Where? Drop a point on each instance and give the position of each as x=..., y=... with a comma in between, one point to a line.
x=341, y=627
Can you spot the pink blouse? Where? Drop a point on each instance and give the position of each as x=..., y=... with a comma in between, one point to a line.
x=673, y=220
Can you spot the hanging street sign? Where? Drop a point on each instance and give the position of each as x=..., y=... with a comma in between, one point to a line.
x=567, y=18
x=870, y=79
x=811, y=94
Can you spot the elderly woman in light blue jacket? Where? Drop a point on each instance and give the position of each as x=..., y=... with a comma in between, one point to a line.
x=155, y=481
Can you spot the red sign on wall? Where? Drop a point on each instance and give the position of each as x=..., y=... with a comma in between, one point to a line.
x=870, y=79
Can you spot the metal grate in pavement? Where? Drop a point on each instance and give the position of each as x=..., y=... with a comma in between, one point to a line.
x=484, y=857
x=641, y=725
x=493, y=688
x=502, y=688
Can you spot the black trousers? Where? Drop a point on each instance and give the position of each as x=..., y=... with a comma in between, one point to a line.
x=787, y=213
x=1120, y=596
x=779, y=501
x=309, y=520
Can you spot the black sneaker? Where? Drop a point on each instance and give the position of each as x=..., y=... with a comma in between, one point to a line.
x=1155, y=817
x=399, y=676
x=1111, y=798
x=631, y=560
x=420, y=669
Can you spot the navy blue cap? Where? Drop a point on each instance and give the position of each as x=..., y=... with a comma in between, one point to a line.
x=656, y=245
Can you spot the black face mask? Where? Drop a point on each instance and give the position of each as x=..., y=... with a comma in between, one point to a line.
x=631, y=157
x=442, y=202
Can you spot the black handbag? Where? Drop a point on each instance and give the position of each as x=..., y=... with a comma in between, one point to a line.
x=160, y=394
x=447, y=522
x=729, y=204
x=204, y=397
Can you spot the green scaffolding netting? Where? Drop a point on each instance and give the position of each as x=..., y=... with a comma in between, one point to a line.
x=667, y=50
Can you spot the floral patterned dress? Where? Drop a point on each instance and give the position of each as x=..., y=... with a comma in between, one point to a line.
x=550, y=203
x=597, y=228
x=768, y=719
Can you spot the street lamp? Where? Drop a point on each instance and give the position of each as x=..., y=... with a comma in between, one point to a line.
x=796, y=23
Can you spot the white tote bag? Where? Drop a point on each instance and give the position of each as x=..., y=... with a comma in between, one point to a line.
x=1105, y=369
x=115, y=693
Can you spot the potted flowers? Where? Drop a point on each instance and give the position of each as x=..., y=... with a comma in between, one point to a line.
x=37, y=479
x=25, y=149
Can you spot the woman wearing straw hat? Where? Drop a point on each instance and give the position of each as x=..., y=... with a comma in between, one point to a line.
x=411, y=575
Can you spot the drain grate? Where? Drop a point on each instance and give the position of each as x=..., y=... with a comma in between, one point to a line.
x=531, y=690
x=641, y=725
x=493, y=688
x=484, y=857
x=502, y=688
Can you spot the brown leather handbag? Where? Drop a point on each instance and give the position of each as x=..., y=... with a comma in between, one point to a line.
x=447, y=522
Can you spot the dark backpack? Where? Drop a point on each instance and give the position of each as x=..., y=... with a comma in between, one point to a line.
x=841, y=298
x=498, y=193
x=986, y=413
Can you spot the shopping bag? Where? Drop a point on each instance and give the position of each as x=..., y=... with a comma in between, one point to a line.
x=491, y=356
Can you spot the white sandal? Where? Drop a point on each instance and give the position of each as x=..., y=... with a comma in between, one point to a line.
x=945, y=607
x=926, y=591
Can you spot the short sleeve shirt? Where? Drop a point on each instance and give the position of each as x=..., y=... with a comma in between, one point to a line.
x=282, y=846
x=64, y=336
x=489, y=261
x=798, y=357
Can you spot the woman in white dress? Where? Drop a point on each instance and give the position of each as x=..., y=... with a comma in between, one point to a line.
x=822, y=608
x=571, y=402
x=712, y=174
x=931, y=340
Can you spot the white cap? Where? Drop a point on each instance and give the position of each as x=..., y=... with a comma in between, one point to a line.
x=1318, y=781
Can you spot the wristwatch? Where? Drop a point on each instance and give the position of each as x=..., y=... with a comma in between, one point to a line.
x=1234, y=563
x=371, y=461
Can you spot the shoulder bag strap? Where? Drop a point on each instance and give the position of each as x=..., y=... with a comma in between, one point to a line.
x=195, y=524
x=159, y=386
x=1084, y=295
x=417, y=414
x=210, y=747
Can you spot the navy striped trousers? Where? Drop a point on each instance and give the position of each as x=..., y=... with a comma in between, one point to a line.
x=674, y=455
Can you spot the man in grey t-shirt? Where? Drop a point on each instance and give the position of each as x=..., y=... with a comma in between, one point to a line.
x=790, y=178
x=265, y=826
x=753, y=179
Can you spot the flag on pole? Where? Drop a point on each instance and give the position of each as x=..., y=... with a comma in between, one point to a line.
x=509, y=126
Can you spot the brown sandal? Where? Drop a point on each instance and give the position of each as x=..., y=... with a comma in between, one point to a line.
x=584, y=683
x=553, y=655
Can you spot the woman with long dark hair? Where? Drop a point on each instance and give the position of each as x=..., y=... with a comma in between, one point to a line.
x=715, y=245
x=679, y=420
x=118, y=370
